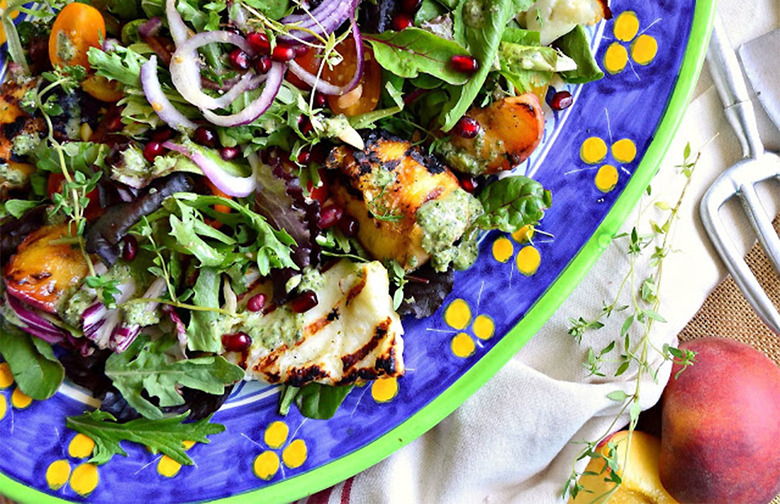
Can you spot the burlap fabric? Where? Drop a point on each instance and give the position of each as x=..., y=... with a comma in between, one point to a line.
x=726, y=312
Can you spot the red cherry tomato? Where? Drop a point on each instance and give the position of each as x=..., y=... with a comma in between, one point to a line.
x=365, y=96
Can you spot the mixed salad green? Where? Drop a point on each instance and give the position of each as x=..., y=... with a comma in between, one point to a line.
x=179, y=177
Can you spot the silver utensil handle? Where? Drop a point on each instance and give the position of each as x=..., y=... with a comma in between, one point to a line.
x=727, y=74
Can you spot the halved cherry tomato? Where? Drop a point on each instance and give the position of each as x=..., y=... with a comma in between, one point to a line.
x=77, y=28
x=363, y=98
x=309, y=61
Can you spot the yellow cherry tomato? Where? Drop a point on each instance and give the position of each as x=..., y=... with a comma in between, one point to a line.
x=77, y=28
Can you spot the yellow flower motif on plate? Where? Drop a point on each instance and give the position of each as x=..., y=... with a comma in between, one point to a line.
x=458, y=316
x=268, y=463
x=528, y=257
x=84, y=477
x=642, y=48
x=594, y=150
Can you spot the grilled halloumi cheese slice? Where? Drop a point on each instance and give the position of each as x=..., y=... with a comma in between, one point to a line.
x=352, y=334
x=382, y=187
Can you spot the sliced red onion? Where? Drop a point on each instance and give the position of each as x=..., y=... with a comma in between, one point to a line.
x=325, y=87
x=109, y=44
x=36, y=324
x=319, y=22
x=237, y=14
x=185, y=72
x=257, y=107
x=179, y=30
x=160, y=103
x=150, y=28
x=225, y=182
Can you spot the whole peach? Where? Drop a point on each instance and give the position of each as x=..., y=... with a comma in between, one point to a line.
x=720, y=440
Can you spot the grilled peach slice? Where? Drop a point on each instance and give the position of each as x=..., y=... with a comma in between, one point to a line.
x=41, y=272
x=382, y=187
x=510, y=130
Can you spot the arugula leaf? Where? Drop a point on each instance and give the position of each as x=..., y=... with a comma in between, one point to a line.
x=36, y=370
x=511, y=203
x=166, y=435
x=412, y=51
x=189, y=230
x=576, y=46
x=484, y=22
x=203, y=332
x=274, y=246
x=144, y=367
x=313, y=400
x=121, y=64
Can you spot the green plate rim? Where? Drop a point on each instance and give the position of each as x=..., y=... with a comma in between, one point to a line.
x=413, y=427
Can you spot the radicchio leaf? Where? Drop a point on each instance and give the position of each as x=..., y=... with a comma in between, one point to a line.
x=426, y=290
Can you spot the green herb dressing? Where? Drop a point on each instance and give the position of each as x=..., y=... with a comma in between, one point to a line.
x=446, y=220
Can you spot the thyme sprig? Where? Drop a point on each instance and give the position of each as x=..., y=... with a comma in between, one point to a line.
x=640, y=315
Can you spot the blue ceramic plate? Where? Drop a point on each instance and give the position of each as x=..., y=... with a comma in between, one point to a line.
x=597, y=158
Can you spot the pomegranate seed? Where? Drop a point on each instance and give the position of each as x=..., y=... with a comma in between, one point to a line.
x=129, y=247
x=256, y=303
x=239, y=59
x=330, y=216
x=304, y=302
x=228, y=153
x=410, y=6
x=115, y=124
x=402, y=20
x=320, y=100
x=283, y=53
x=561, y=100
x=304, y=123
x=259, y=42
x=469, y=184
x=263, y=64
x=162, y=135
x=349, y=226
x=467, y=127
x=205, y=136
x=319, y=193
x=152, y=150
x=304, y=157
x=300, y=50
x=236, y=342
x=464, y=63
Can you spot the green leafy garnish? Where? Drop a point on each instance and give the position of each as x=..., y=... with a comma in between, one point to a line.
x=412, y=51
x=575, y=45
x=203, y=333
x=144, y=367
x=313, y=400
x=166, y=435
x=513, y=202
x=36, y=370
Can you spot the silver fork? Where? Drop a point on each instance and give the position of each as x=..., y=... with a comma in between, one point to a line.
x=739, y=180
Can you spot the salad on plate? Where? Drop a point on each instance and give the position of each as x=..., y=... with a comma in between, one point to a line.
x=199, y=192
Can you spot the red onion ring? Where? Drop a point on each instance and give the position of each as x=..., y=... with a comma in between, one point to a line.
x=257, y=107
x=319, y=23
x=185, y=72
x=225, y=182
x=325, y=87
x=150, y=28
x=150, y=83
x=179, y=30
